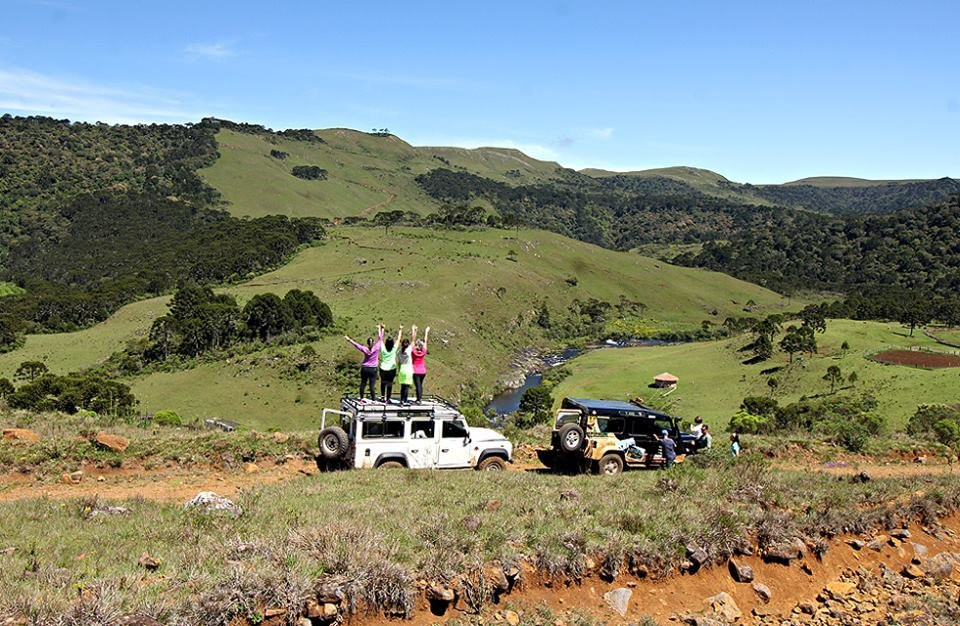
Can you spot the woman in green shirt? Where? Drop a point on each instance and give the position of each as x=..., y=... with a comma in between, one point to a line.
x=388, y=365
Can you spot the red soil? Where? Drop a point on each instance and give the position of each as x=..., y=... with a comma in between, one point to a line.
x=918, y=358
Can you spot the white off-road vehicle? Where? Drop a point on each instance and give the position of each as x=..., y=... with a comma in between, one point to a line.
x=429, y=434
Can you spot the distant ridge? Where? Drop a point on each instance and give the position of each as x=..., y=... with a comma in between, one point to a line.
x=850, y=181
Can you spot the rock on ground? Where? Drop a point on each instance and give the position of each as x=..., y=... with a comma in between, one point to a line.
x=21, y=434
x=740, y=573
x=209, y=502
x=724, y=605
x=114, y=443
x=618, y=600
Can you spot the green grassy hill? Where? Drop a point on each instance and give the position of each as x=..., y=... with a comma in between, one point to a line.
x=479, y=302
x=366, y=173
x=713, y=381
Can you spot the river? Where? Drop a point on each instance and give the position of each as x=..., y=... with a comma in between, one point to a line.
x=508, y=400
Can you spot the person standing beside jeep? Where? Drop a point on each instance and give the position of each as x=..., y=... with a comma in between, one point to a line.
x=371, y=361
x=669, y=447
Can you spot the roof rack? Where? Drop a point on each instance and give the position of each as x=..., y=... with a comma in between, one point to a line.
x=370, y=408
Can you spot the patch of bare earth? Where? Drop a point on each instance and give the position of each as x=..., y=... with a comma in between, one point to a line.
x=918, y=358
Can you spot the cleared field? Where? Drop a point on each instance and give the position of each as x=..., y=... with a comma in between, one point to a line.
x=713, y=380
x=365, y=173
x=479, y=303
x=917, y=358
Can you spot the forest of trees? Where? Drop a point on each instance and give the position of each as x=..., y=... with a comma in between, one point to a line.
x=851, y=200
x=913, y=248
x=599, y=211
x=93, y=216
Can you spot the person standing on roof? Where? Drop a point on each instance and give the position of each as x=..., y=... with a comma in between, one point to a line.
x=371, y=360
x=405, y=369
x=669, y=447
x=388, y=365
x=418, y=358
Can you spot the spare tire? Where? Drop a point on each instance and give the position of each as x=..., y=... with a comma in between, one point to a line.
x=571, y=437
x=333, y=442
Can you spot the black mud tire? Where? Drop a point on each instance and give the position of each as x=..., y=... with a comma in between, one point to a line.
x=333, y=443
x=391, y=465
x=571, y=438
x=609, y=465
x=492, y=464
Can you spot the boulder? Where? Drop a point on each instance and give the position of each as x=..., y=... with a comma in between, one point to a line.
x=840, y=589
x=73, y=478
x=912, y=571
x=209, y=502
x=857, y=544
x=786, y=551
x=108, y=510
x=20, y=434
x=496, y=578
x=436, y=593
x=900, y=533
x=512, y=617
x=724, y=605
x=763, y=592
x=919, y=552
x=942, y=565
x=313, y=609
x=740, y=573
x=109, y=441
x=281, y=437
x=619, y=600
x=697, y=556
x=250, y=468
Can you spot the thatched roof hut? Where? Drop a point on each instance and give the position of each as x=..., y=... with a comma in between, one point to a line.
x=665, y=379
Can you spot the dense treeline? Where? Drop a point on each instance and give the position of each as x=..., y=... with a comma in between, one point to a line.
x=883, y=198
x=915, y=248
x=602, y=212
x=93, y=216
x=200, y=320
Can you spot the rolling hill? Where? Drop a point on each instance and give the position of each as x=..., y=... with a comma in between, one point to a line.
x=366, y=172
x=478, y=290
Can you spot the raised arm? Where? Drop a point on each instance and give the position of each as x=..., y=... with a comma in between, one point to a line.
x=356, y=345
x=377, y=345
x=399, y=334
x=413, y=335
x=426, y=335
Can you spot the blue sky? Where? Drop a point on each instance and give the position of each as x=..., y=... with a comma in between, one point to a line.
x=758, y=91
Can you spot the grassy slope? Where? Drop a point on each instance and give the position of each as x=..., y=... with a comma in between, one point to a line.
x=366, y=173
x=448, y=280
x=713, y=382
x=705, y=181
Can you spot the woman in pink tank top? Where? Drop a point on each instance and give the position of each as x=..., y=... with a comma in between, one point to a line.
x=419, y=356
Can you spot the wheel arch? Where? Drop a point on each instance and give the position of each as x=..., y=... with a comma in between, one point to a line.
x=392, y=456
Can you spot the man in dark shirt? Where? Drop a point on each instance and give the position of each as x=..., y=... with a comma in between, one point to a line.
x=669, y=447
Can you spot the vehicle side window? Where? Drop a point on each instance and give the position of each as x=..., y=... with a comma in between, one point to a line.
x=383, y=430
x=421, y=429
x=452, y=429
x=662, y=425
x=612, y=425
x=642, y=426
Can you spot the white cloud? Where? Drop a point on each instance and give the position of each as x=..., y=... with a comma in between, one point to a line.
x=216, y=50
x=31, y=92
x=601, y=133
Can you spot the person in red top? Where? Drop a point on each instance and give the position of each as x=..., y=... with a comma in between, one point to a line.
x=419, y=354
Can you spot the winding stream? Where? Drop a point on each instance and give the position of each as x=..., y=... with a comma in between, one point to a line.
x=508, y=400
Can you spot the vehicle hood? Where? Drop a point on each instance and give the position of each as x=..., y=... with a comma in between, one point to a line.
x=485, y=434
